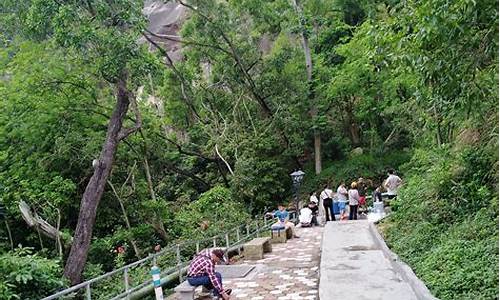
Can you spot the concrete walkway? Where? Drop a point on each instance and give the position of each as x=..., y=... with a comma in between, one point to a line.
x=345, y=260
x=353, y=266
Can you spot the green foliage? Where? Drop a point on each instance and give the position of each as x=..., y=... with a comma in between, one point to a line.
x=24, y=275
x=397, y=78
x=368, y=166
x=445, y=223
x=215, y=206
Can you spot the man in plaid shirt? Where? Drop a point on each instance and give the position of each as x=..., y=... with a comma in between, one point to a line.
x=202, y=272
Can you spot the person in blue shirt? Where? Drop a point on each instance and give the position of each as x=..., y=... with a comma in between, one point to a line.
x=283, y=219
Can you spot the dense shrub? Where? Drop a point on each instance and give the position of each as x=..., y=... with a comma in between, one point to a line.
x=217, y=208
x=445, y=224
x=24, y=275
x=368, y=165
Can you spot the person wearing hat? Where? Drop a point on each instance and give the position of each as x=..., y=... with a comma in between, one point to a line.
x=202, y=272
x=353, y=201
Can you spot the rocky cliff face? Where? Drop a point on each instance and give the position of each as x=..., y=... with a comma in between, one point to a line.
x=165, y=20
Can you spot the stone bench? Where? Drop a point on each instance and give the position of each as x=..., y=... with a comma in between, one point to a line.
x=256, y=248
x=280, y=234
x=185, y=291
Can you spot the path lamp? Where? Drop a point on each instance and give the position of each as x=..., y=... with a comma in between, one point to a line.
x=297, y=177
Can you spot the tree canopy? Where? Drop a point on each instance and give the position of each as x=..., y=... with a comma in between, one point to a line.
x=115, y=141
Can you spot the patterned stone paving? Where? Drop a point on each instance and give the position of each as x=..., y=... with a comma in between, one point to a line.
x=290, y=271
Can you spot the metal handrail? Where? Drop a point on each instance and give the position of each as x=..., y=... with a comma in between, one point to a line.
x=153, y=256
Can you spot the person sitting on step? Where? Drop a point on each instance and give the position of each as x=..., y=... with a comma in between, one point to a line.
x=305, y=217
x=283, y=219
x=315, y=210
x=202, y=272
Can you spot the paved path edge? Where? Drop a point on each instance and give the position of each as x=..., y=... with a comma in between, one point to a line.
x=417, y=285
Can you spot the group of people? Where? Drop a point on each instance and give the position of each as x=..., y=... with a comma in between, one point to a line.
x=202, y=268
x=349, y=201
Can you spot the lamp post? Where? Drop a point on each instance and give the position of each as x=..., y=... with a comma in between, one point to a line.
x=297, y=177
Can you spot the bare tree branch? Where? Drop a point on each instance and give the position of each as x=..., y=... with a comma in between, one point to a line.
x=184, y=41
x=222, y=158
x=177, y=73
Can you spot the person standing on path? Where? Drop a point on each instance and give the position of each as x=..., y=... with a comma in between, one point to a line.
x=353, y=201
x=392, y=184
x=342, y=197
x=327, y=197
x=202, y=272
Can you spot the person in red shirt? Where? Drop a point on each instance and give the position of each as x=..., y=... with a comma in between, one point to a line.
x=202, y=272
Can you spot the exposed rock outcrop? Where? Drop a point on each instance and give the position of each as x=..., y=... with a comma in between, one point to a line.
x=165, y=20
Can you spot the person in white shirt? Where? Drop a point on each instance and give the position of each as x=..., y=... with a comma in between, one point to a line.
x=342, y=198
x=392, y=184
x=305, y=216
x=353, y=201
x=327, y=197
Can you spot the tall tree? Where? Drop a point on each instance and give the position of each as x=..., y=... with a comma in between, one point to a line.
x=304, y=35
x=106, y=34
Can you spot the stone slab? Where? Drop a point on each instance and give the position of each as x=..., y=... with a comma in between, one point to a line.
x=234, y=271
x=354, y=267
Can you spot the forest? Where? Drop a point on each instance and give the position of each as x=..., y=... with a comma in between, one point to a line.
x=116, y=134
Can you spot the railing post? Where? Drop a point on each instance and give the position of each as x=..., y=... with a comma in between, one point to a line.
x=155, y=272
x=178, y=252
x=248, y=230
x=197, y=247
x=257, y=228
x=215, y=241
x=154, y=259
x=87, y=292
x=125, y=281
x=227, y=241
x=238, y=240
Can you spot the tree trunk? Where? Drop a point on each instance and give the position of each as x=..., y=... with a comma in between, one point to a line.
x=125, y=218
x=10, y=235
x=95, y=188
x=157, y=223
x=438, y=126
x=310, y=96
